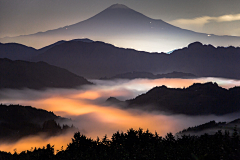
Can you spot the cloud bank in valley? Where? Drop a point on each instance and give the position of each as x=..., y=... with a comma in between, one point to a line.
x=93, y=118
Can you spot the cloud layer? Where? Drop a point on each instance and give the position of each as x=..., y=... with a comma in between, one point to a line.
x=93, y=118
x=199, y=22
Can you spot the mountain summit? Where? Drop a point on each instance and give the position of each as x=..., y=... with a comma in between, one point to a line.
x=119, y=10
x=118, y=6
x=125, y=27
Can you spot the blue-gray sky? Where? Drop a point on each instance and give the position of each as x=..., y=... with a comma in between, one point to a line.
x=20, y=17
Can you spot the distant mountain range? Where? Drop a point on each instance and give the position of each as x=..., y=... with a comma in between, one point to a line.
x=91, y=59
x=40, y=75
x=20, y=121
x=98, y=59
x=15, y=51
x=211, y=128
x=197, y=99
x=148, y=75
x=126, y=28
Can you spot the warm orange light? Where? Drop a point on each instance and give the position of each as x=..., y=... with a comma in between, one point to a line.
x=87, y=95
x=30, y=143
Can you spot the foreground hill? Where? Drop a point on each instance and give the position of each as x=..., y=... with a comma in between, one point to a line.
x=21, y=121
x=40, y=75
x=125, y=27
x=198, y=99
x=98, y=59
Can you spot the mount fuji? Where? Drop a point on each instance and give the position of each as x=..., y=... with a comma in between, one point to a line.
x=124, y=27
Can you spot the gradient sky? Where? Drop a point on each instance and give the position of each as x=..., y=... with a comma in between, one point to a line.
x=21, y=17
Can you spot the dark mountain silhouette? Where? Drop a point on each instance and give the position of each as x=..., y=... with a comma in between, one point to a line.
x=15, y=51
x=44, y=49
x=198, y=99
x=40, y=75
x=175, y=74
x=98, y=59
x=113, y=100
x=211, y=128
x=148, y=75
x=127, y=28
x=20, y=121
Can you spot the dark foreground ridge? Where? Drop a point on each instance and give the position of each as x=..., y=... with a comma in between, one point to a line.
x=139, y=144
x=18, y=121
x=197, y=99
x=40, y=75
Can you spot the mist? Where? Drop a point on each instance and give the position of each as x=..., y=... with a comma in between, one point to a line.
x=89, y=113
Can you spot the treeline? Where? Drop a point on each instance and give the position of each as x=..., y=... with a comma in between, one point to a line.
x=139, y=144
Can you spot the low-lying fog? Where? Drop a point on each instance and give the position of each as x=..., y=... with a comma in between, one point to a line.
x=86, y=108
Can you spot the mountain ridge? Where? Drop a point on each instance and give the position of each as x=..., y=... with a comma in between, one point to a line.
x=148, y=75
x=197, y=99
x=40, y=75
x=17, y=51
x=21, y=121
x=211, y=128
x=99, y=59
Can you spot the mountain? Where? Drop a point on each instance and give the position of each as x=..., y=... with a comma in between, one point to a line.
x=197, y=99
x=15, y=51
x=126, y=28
x=40, y=75
x=148, y=75
x=98, y=59
x=211, y=128
x=20, y=121
x=44, y=49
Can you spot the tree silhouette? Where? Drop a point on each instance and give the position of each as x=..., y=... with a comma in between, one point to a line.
x=139, y=144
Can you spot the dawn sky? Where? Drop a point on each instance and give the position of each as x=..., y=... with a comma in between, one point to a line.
x=21, y=17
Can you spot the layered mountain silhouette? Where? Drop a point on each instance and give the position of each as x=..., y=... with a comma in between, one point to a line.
x=15, y=51
x=197, y=99
x=20, y=121
x=211, y=128
x=148, y=75
x=98, y=59
x=126, y=28
x=22, y=74
x=44, y=49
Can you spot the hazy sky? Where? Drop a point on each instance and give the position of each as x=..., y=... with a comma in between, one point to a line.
x=19, y=17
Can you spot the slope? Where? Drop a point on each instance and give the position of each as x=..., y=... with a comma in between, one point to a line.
x=23, y=74
x=198, y=99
